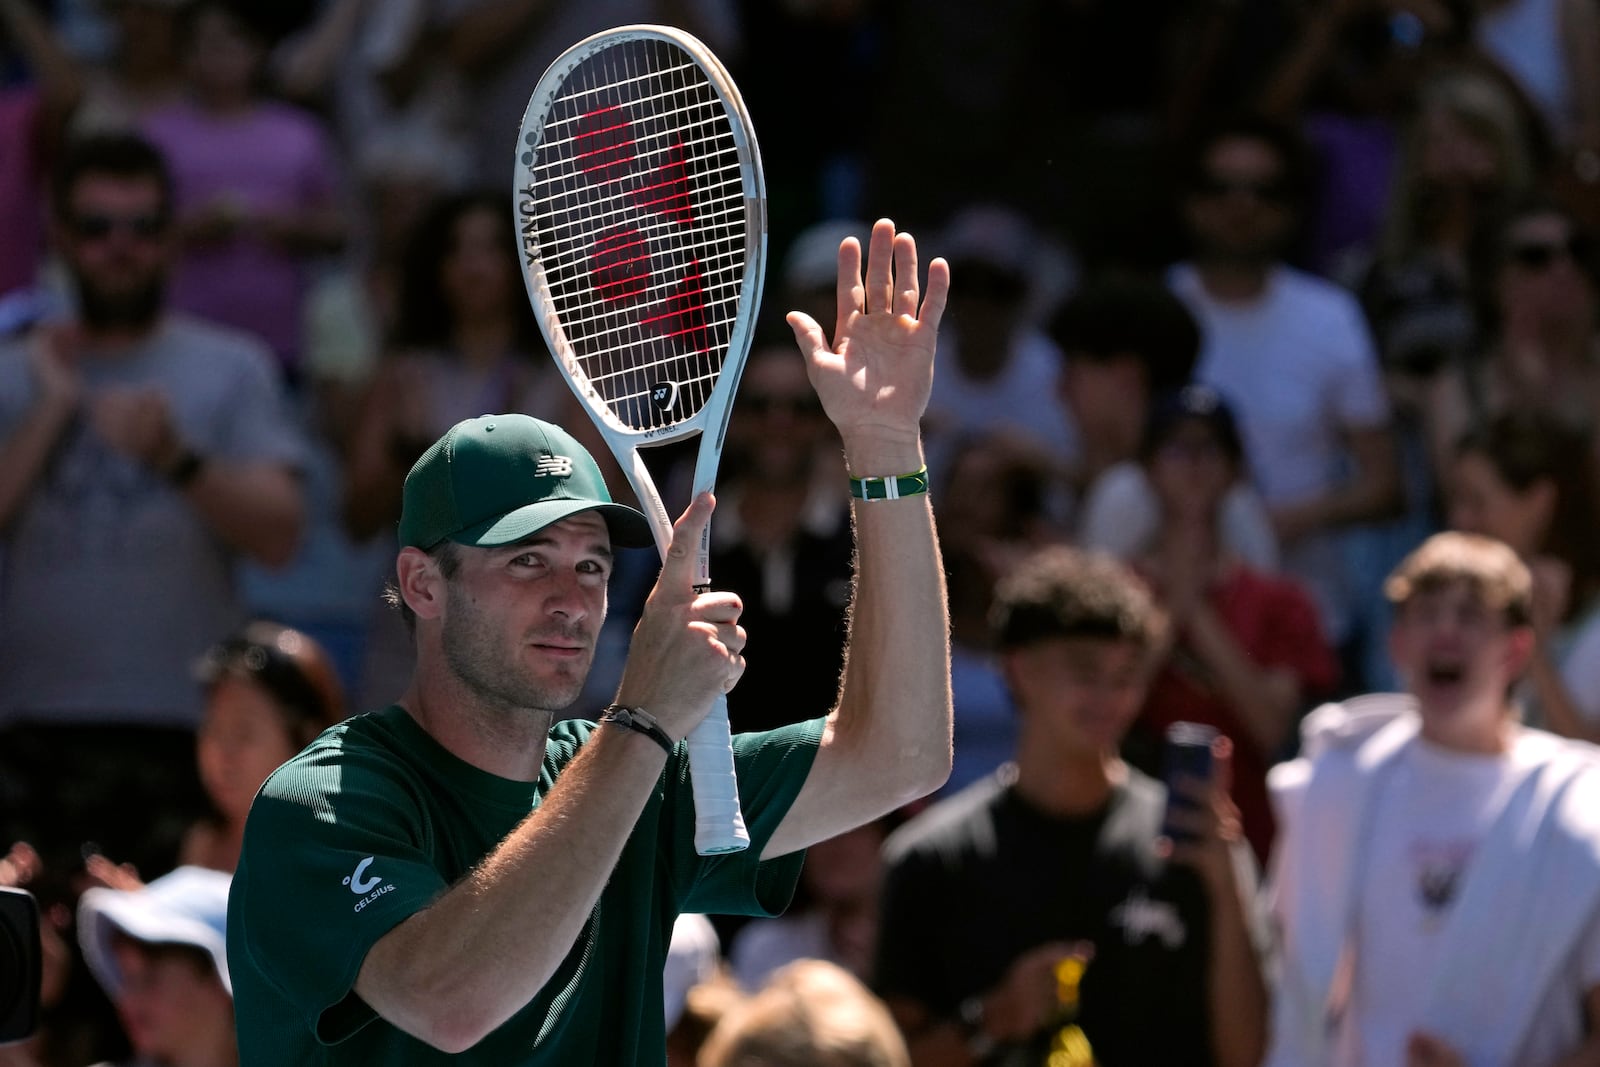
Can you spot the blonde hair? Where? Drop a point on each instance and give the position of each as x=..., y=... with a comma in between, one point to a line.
x=809, y=1014
x=1489, y=568
x=1489, y=113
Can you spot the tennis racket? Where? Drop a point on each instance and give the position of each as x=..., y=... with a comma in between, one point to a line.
x=641, y=215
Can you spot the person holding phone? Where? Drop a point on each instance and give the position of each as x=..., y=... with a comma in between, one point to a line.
x=1247, y=653
x=1062, y=853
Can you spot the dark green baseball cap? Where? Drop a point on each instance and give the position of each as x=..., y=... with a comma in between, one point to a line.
x=497, y=479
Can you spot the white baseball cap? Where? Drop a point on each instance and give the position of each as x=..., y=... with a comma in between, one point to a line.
x=812, y=261
x=187, y=907
x=691, y=959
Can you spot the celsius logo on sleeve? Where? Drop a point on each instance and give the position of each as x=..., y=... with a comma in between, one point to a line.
x=368, y=889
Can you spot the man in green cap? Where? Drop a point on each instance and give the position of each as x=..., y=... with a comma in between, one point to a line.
x=460, y=878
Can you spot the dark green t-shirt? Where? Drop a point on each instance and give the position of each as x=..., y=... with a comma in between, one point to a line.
x=375, y=819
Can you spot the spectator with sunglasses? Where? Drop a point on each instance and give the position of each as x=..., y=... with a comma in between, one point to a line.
x=142, y=455
x=1292, y=356
x=1540, y=351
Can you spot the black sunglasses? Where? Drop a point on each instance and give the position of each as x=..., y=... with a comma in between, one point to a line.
x=1541, y=255
x=97, y=227
x=1272, y=192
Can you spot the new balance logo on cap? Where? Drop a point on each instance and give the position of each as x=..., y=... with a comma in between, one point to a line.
x=497, y=479
x=553, y=467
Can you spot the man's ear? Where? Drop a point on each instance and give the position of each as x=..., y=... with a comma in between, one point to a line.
x=421, y=583
x=1012, y=674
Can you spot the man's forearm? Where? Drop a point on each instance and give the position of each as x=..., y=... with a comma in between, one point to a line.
x=895, y=693
x=1264, y=699
x=256, y=508
x=465, y=964
x=1236, y=991
x=1352, y=503
x=889, y=739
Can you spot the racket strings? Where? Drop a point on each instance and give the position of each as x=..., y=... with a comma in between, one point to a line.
x=575, y=249
x=640, y=221
x=587, y=136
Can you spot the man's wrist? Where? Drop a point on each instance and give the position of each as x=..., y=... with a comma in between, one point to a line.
x=639, y=721
x=881, y=453
x=889, y=486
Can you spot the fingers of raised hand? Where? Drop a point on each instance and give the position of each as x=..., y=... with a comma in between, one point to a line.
x=906, y=292
x=849, y=294
x=880, y=268
x=936, y=295
x=807, y=334
x=892, y=283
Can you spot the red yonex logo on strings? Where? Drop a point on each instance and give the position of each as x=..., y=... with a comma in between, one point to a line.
x=620, y=258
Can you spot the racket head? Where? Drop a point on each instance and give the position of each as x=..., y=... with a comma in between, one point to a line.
x=640, y=208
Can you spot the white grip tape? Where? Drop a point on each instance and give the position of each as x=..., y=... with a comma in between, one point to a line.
x=718, y=822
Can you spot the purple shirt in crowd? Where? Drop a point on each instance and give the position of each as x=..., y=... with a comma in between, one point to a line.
x=273, y=159
x=21, y=191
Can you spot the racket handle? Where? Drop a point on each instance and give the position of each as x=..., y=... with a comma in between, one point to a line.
x=718, y=822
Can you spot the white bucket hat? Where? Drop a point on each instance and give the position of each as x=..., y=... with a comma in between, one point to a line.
x=187, y=907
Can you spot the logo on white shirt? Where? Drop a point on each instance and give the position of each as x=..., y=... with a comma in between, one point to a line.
x=1437, y=867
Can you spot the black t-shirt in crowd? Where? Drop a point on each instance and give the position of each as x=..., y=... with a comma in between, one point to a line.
x=980, y=878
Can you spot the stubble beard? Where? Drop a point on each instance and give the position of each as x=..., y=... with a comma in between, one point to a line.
x=471, y=646
x=135, y=308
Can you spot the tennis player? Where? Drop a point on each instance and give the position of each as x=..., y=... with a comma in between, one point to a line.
x=461, y=874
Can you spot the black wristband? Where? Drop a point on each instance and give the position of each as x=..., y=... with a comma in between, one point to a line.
x=186, y=468
x=640, y=721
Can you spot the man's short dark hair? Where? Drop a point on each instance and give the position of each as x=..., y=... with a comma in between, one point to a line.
x=1118, y=315
x=1061, y=592
x=116, y=155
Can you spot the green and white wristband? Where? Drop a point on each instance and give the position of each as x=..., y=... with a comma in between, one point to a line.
x=890, y=487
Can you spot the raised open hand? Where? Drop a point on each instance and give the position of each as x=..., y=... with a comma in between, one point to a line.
x=875, y=378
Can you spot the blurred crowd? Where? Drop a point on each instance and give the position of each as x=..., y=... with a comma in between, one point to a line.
x=1252, y=296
